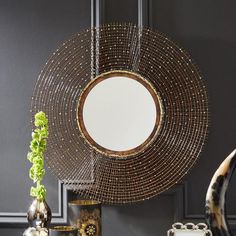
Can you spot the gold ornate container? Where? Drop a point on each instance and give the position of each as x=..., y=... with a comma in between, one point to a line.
x=63, y=231
x=86, y=215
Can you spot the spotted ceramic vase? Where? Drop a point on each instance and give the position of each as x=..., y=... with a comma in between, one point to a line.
x=215, y=198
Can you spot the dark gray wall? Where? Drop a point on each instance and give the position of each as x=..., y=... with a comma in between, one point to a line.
x=31, y=30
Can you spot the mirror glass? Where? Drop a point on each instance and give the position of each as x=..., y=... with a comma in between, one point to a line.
x=120, y=113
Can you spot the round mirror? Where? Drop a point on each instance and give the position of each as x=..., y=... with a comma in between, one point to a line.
x=119, y=113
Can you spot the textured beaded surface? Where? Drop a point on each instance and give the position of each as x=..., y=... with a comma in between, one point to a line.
x=171, y=72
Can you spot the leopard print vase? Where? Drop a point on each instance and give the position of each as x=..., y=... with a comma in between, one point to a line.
x=215, y=198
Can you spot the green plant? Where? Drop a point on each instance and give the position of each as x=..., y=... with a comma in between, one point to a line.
x=35, y=156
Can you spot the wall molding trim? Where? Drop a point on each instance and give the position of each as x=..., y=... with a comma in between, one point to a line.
x=181, y=214
x=97, y=13
x=144, y=13
x=19, y=218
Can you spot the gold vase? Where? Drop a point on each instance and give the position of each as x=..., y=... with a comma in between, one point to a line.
x=86, y=216
x=39, y=214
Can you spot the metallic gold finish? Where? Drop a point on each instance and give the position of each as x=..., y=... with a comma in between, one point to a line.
x=84, y=202
x=63, y=231
x=96, y=174
x=39, y=214
x=86, y=215
x=63, y=228
x=147, y=85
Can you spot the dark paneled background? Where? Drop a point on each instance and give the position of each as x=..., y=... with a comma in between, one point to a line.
x=30, y=30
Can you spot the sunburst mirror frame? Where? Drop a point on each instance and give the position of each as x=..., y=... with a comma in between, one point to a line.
x=171, y=77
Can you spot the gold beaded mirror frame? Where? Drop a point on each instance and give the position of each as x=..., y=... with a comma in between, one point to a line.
x=168, y=80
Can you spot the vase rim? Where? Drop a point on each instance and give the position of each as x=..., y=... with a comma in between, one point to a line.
x=84, y=202
x=63, y=228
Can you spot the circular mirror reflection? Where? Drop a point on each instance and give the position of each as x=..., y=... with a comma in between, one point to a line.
x=119, y=113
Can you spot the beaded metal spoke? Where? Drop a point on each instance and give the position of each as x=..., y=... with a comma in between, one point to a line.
x=174, y=76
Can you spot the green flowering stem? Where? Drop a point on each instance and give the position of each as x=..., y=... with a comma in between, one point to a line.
x=35, y=156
